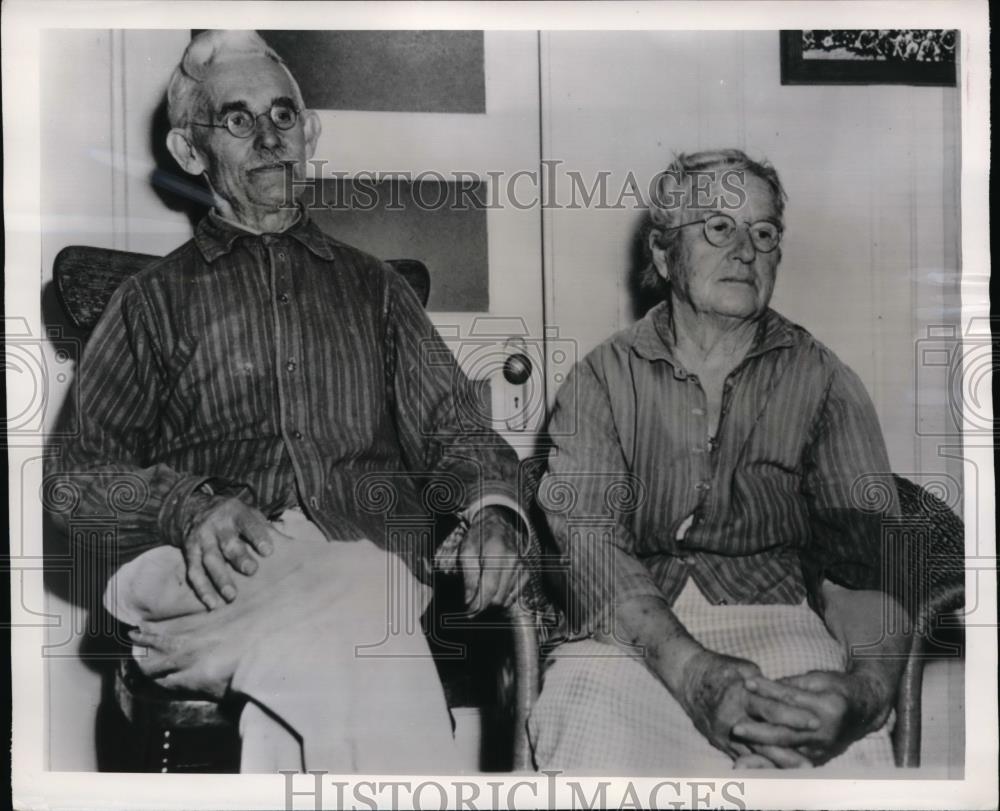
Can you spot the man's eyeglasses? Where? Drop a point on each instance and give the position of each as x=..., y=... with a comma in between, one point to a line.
x=721, y=231
x=243, y=123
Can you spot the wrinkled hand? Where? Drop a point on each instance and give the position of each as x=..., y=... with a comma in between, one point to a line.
x=202, y=650
x=177, y=654
x=489, y=560
x=716, y=698
x=845, y=705
x=220, y=539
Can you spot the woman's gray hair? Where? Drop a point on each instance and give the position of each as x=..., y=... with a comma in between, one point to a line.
x=185, y=94
x=674, y=191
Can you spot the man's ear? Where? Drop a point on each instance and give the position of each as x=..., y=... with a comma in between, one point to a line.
x=659, y=254
x=311, y=128
x=185, y=152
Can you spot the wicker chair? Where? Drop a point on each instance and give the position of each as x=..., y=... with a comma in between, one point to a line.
x=153, y=729
x=934, y=555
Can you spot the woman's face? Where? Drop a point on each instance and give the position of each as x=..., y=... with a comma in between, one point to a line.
x=735, y=281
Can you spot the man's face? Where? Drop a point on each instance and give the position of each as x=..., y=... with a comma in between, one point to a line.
x=736, y=280
x=252, y=173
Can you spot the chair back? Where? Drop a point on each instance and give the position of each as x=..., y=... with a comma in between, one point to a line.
x=940, y=564
x=86, y=277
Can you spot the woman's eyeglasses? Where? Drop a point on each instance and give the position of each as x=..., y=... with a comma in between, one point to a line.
x=721, y=231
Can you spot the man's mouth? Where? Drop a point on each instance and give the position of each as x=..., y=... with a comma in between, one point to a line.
x=278, y=166
x=734, y=280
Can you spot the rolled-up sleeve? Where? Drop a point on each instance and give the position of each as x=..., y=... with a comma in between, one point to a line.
x=849, y=488
x=104, y=470
x=441, y=426
x=588, y=495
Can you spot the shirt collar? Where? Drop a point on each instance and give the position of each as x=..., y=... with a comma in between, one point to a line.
x=215, y=235
x=654, y=335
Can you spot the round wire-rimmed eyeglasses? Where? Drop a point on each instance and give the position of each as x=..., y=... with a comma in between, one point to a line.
x=721, y=231
x=243, y=123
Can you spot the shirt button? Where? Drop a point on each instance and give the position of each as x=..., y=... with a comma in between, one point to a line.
x=313, y=501
x=703, y=486
x=281, y=254
x=296, y=435
x=283, y=298
x=698, y=412
x=290, y=366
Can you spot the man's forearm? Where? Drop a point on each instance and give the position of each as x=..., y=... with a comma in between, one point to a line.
x=147, y=506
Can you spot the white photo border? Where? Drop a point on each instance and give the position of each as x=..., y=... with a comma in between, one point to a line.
x=23, y=23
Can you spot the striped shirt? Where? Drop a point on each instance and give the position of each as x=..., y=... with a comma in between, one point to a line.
x=639, y=500
x=288, y=369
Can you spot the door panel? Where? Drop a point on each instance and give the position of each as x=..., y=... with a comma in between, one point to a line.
x=487, y=250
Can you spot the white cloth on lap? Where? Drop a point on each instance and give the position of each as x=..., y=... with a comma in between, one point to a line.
x=602, y=712
x=331, y=653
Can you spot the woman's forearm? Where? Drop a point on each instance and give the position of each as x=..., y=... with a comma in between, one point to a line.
x=874, y=630
x=647, y=628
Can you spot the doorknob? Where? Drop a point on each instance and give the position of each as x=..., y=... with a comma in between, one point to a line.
x=517, y=368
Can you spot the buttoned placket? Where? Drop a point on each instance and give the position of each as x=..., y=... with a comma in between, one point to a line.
x=705, y=451
x=707, y=463
x=292, y=398
x=704, y=457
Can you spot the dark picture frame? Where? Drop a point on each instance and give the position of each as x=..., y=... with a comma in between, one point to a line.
x=798, y=69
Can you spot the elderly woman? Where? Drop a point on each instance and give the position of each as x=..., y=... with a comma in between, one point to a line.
x=703, y=490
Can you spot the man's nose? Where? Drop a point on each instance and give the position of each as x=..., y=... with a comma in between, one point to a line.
x=267, y=135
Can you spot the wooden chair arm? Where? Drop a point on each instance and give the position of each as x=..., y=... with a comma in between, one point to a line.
x=524, y=635
x=906, y=736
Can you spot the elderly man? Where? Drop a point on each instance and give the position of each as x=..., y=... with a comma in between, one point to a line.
x=254, y=390
x=715, y=469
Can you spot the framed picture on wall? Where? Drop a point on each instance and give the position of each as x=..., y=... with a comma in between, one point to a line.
x=869, y=56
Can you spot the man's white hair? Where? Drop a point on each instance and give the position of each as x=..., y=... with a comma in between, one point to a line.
x=185, y=94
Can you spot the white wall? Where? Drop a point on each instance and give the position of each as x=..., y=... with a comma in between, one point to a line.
x=871, y=247
x=98, y=97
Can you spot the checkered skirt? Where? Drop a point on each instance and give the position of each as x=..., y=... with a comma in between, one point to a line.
x=602, y=712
